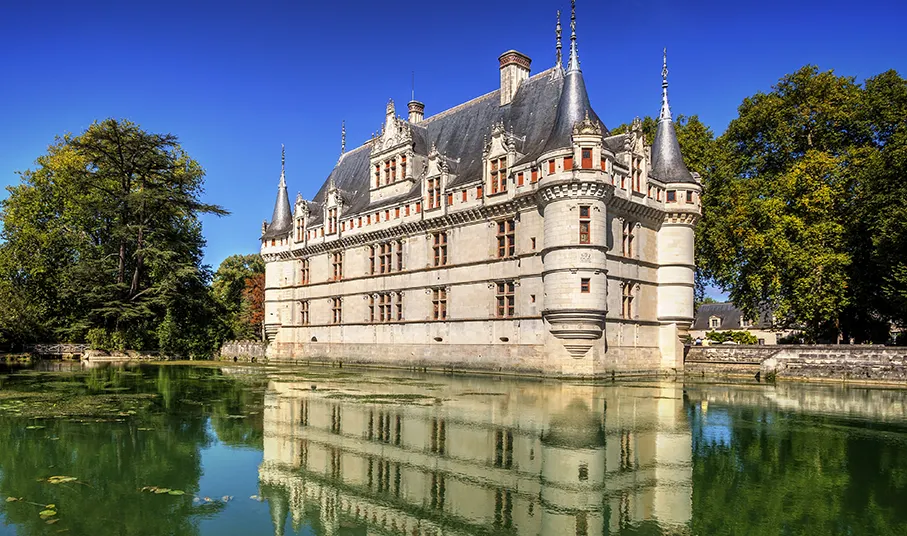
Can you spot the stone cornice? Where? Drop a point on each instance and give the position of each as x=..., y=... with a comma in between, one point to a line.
x=509, y=208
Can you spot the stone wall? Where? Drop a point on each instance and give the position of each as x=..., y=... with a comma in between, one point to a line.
x=253, y=351
x=827, y=362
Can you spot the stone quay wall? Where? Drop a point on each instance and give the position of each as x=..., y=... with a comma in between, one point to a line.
x=249, y=351
x=871, y=363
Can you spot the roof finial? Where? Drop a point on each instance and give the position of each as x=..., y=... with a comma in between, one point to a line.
x=665, y=109
x=557, y=32
x=283, y=162
x=343, y=136
x=574, y=56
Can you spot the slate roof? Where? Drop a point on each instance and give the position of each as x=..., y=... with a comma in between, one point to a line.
x=461, y=132
x=730, y=317
x=667, y=162
x=282, y=218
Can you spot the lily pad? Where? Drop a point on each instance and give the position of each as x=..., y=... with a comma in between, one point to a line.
x=47, y=513
x=176, y=492
x=11, y=499
x=60, y=479
x=33, y=427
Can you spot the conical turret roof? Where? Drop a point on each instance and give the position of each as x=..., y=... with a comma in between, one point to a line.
x=282, y=218
x=573, y=105
x=667, y=162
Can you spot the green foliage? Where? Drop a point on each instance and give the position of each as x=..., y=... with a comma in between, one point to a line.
x=104, y=234
x=228, y=288
x=739, y=337
x=803, y=211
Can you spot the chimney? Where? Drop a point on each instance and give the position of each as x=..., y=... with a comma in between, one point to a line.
x=416, y=111
x=514, y=69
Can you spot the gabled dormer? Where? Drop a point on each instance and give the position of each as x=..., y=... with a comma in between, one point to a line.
x=499, y=155
x=636, y=157
x=587, y=146
x=393, y=157
x=438, y=174
x=333, y=207
x=300, y=219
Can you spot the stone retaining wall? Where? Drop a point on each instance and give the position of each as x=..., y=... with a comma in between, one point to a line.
x=832, y=362
x=252, y=351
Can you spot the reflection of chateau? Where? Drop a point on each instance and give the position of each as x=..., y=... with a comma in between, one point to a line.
x=529, y=458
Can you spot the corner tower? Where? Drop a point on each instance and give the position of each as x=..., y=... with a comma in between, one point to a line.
x=574, y=191
x=676, y=237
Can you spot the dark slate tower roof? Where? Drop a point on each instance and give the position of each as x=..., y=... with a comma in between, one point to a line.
x=282, y=219
x=573, y=105
x=667, y=162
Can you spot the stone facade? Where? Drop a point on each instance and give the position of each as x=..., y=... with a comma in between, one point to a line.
x=512, y=232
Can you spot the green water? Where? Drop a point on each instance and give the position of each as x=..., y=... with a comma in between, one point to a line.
x=186, y=450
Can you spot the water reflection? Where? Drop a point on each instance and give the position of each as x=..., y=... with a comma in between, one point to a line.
x=472, y=456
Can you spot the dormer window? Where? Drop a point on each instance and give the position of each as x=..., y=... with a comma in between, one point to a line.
x=587, y=158
x=403, y=166
x=498, y=175
x=434, y=193
x=637, y=174
x=672, y=196
x=714, y=322
x=332, y=220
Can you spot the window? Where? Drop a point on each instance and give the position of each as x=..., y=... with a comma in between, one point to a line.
x=418, y=207
x=406, y=211
x=450, y=199
x=304, y=272
x=434, y=193
x=604, y=164
x=385, y=307
x=377, y=175
x=386, y=257
x=478, y=192
x=304, y=312
x=626, y=310
x=498, y=175
x=745, y=322
x=393, y=170
x=532, y=243
x=584, y=224
x=439, y=248
x=535, y=175
x=587, y=158
x=519, y=178
x=439, y=303
x=397, y=212
x=689, y=198
x=714, y=322
x=550, y=167
x=336, y=310
x=337, y=263
x=464, y=196
x=637, y=174
x=627, y=244
x=568, y=162
x=672, y=196
x=584, y=285
x=403, y=167
x=505, y=299
x=299, y=222
x=506, y=238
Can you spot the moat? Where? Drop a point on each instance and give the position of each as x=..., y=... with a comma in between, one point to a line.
x=203, y=450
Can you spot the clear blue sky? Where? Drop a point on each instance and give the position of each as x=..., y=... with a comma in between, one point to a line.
x=234, y=80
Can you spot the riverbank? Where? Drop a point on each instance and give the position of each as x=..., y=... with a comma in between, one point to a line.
x=847, y=363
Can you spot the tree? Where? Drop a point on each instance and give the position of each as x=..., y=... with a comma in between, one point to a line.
x=104, y=234
x=254, y=302
x=229, y=289
x=802, y=211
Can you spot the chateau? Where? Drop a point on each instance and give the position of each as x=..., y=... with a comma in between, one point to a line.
x=512, y=232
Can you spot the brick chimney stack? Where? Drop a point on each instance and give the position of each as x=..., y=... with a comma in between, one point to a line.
x=416, y=111
x=514, y=69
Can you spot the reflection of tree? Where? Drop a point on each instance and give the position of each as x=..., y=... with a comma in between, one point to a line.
x=114, y=460
x=792, y=474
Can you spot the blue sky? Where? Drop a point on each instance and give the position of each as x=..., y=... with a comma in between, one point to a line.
x=234, y=80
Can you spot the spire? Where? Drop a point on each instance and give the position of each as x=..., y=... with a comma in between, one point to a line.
x=282, y=218
x=557, y=33
x=665, y=109
x=343, y=136
x=574, y=55
x=283, y=165
x=667, y=161
x=573, y=105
